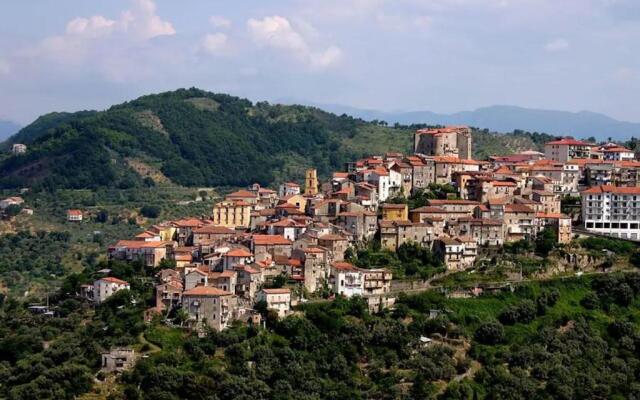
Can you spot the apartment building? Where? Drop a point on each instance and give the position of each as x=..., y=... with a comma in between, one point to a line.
x=612, y=210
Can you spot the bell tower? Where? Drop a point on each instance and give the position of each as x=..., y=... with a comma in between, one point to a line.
x=311, y=182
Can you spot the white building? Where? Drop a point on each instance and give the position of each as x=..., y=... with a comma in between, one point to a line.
x=105, y=287
x=288, y=189
x=237, y=256
x=276, y=299
x=11, y=201
x=612, y=210
x=19, y=148
x=617, y=153
x=346, y=280
x=74, y=215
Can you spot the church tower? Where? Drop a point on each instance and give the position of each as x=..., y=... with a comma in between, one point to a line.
x=311, y=182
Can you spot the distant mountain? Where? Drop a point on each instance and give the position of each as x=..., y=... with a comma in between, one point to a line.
x=504, y=119
x=8, y=128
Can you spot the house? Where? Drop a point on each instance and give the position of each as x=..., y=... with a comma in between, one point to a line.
x=236, y=256
x=210, y=306
x=456, y=254
x=11, y=201
x=117, y=359
x=361, y=225
x=169, y=295
x=232, y=214
x=150, y=253
x=269, y=246
x=346, y=280
x=288, y=189
x=243, y=196
x=376, y=281
x=336, y=244
x=225, y=280
x=248, y=281
x=394, y=234
x=486, y=232
x=287, y=227
x=276, y=299
x=212, y=233
x=104, y=288
x=395, y=212
x=19, y=148
x=185, y=228
x=566, y=149
x=196, y=277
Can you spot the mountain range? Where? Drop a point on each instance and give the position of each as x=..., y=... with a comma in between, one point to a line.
x=500, y=118
x=191, y=137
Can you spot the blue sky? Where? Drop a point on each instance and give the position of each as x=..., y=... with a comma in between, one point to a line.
x=438, y=55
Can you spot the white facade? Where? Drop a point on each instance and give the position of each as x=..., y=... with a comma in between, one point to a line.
x=276, y=299
x=612, y=211
x=106, y=287
x=347, y=280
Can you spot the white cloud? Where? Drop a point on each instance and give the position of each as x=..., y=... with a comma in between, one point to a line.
x=92, y=27
x=278, y=33
x=218, y=21
x=215, y=43
x=143, y=22
x=559, y=44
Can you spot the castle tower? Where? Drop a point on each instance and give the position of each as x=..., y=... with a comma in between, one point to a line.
x=311, y=182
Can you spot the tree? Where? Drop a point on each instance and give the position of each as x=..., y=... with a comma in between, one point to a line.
x=13, y=210
x=490, y=332
x=150, y=211
x=102, y=216
x=545, y=241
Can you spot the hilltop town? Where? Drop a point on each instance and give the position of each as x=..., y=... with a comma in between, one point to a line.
x=280, y=247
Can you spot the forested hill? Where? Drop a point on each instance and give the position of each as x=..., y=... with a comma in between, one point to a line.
x=195, y=138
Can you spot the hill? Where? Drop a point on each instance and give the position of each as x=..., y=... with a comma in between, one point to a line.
x=195, y=138
x=7, y=128
x=500, y=118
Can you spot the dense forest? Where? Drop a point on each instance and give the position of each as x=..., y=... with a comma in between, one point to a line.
x=565, y=339
x=197, y=138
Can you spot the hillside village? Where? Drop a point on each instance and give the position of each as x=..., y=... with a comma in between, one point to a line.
x=262, y=247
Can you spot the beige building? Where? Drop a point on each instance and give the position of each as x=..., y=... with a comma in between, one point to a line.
x=456, y=254
x=450, y=141
x=311, y=182
x=209, y=306
x=567, y=149
x=232, y=214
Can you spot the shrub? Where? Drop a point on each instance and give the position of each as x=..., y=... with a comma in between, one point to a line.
x=150, y=211
x=490, y=332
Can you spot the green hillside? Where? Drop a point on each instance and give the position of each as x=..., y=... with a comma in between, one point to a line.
x=191, y=137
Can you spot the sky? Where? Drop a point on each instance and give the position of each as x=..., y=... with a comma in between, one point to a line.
x=438, y=55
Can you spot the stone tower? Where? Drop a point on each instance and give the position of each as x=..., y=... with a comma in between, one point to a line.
x=311, y=182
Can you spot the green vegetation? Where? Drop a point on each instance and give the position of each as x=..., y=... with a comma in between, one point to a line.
x=411, y=260
x=508, y=345
x=195, y=138
x=421, y=197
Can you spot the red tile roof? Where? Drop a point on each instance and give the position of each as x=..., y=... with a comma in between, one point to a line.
x=206, y=291
x=111, y=279
x=265, y=240
x=612, y=189
x=238, y=252
x=568, y=141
